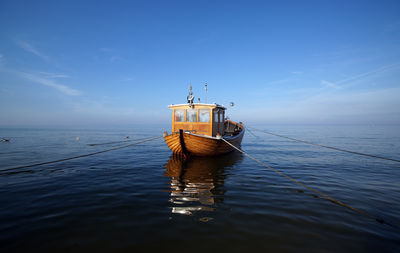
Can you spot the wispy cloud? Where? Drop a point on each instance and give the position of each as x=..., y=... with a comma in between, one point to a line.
x=112, y=54
x=201, y=41
x=278, y=82
x=374, y=106
x=115, y=58
x=370, y=73
x=361, y=76
x=31, y=49
x=53, y=75
x=330, y=84
x=107, y=49
x=45, y=80
x=128, y=79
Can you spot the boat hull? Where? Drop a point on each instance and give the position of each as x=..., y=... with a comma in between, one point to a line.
x=185, y=143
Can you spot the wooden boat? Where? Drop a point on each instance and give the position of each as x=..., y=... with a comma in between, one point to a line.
x=198, y=129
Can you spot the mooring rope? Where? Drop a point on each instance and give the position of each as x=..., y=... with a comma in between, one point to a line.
x=335, y=201
x=113, y=142
x=79, y=156
x=107, y=143
x=329, y=147
x=251, y=132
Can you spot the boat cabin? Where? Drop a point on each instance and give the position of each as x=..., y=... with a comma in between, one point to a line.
x=198, y=118
x=201, y=129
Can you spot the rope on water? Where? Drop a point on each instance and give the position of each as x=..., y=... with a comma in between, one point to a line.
x=107, y=143
x=112, y=142
x=364, y=213
x=334, y=148
x=251, y=132
x=80, y=156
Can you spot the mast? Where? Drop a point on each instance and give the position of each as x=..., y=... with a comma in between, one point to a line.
x=190, y=97
x=205, y=88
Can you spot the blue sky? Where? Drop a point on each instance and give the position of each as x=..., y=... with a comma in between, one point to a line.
x=115, y=63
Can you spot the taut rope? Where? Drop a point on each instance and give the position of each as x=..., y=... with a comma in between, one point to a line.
x=334, y=148
x=364, y=213
x=79, y=156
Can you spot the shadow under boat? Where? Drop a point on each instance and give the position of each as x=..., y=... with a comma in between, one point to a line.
x=197, y=183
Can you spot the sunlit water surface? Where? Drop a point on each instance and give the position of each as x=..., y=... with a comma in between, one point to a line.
x=141, y=198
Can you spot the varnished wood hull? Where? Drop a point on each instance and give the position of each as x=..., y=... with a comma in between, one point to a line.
x=187, y=143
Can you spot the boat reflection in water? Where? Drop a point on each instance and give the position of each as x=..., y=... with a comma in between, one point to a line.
x=197, y=183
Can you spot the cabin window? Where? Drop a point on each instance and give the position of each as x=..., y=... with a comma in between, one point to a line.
x=204, y=115
x=216, y=116
x=221, y=116
x=191, y=115
x=179, y=115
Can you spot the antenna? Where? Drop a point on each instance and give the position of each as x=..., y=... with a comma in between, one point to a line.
x=205, y=88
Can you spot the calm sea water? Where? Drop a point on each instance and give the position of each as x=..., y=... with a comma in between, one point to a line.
x=141, y=198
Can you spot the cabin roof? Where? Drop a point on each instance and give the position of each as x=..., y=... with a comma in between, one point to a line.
x=198, y=104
